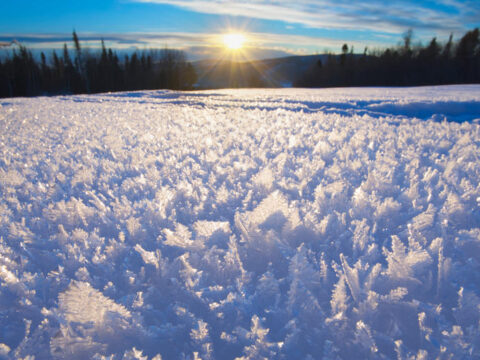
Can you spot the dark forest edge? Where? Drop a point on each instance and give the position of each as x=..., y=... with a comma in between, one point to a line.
x=404, y=65
x=83, y=71
x=93, y=72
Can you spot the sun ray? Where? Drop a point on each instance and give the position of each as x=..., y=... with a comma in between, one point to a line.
x=235, y=55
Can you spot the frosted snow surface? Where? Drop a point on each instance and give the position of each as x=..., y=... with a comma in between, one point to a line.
x=278, y=224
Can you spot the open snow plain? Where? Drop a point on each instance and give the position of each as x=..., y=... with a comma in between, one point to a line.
x=279, y=224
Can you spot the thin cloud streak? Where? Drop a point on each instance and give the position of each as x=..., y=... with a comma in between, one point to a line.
x=381, y=16
x=120, y=40
x=206, y=45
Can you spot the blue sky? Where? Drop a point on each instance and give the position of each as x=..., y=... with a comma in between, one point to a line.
x=273, y=27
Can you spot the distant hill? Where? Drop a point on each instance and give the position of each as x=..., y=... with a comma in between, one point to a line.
x=277, y=72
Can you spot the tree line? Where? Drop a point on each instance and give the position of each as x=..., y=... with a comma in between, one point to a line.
x=403, y=65
x=79, y=70
x=82, y=71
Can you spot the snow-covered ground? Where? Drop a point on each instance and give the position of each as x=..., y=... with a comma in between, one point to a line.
x=279, y=224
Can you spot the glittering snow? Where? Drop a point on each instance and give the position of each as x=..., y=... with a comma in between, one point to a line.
x=278, y=224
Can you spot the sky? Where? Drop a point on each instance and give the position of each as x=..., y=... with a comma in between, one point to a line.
x=272, y=28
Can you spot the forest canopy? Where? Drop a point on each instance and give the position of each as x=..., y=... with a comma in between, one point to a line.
x=404, y=65
x=83, y=71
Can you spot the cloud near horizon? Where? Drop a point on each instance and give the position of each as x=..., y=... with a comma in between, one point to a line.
x=373, y=15
x=197, y=46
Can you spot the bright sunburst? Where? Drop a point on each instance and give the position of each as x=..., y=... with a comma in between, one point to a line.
x=234, y=41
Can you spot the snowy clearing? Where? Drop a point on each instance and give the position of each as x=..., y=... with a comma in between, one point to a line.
x=279, y=224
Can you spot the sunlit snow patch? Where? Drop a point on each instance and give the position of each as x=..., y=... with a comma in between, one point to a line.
x=249, y=224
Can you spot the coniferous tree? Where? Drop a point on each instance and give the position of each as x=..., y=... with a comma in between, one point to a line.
x=83, y=83
x=58, y=74
x=78, y=51
x=44, y=74
x=68, y=69
x=467, y=53
x=343, y=57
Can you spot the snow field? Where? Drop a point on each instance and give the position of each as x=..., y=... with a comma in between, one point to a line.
x=278, y=224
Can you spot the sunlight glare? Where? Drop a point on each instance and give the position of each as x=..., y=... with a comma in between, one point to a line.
x=234, y=41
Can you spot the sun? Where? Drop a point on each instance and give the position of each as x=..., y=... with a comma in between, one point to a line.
x=234, y=41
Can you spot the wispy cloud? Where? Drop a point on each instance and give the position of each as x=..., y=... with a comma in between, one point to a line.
x=117, y=40
x=197, y=46
x=374, y=15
